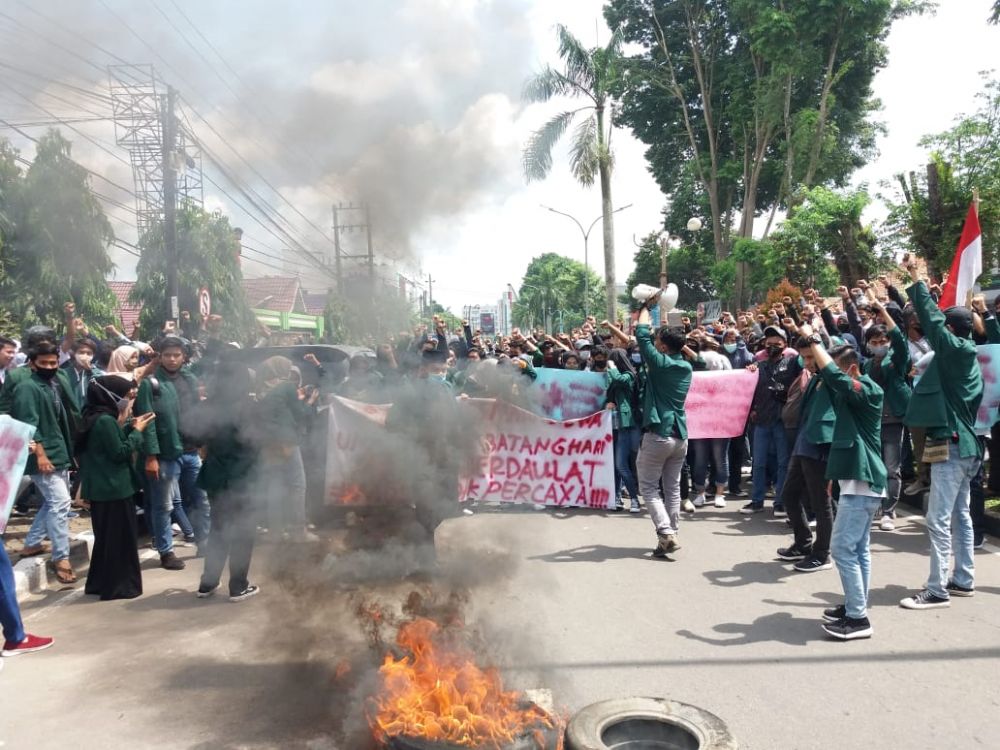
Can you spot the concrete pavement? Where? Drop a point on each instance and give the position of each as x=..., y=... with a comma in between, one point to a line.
x=570, y=601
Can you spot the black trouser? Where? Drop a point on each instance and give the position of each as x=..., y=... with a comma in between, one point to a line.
x=737, y=455
x=977, y=499
x=994, y=443
x=234, y=528
x=807, y=477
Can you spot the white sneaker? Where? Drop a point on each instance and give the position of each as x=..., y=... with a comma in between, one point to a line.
x=720, y=501
x=887, y=523
x=687, y=506
x=699, y=501
x=915, y=487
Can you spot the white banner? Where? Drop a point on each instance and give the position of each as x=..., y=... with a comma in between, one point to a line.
x=14, y=439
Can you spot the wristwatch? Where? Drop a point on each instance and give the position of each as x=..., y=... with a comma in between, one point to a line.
x=816, y=339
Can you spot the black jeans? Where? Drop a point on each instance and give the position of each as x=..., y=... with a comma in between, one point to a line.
x=994, y=443
x=977, y=500
x=234, y=529
x=805, y=487
x=737, y=455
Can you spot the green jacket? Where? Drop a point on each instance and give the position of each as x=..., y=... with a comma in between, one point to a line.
x=106, y=462
x=165, y=439
x=33, y=404
x=856, y=450
x=894, y=374
x=818, y=418
x=79, y=381
x=229, y=460
x=668, y=379
x=623, y=393
x=19, y=374
x=281, y=415
x=992, y=327
x=946, y=399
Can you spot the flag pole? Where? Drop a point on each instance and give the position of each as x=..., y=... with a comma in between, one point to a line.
x=975, y=207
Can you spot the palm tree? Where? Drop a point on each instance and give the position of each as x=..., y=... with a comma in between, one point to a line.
x=588, y=74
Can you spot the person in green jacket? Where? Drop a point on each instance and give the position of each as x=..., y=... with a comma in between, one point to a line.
x=664, y=446
x=106, y=445
x=38, y=401
x=855, y=463
x=889, y=366
x=623, y=398
x=945, y=401
x=228, y=474
x=32, y=338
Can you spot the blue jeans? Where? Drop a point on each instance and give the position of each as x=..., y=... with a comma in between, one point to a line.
x=159, y=502
x=892, y=455
x=851, y=549
x=194, y=501
x=626, y=452
x=769, y=439
x=52, y=519
x=947, y=514
x=285, y=483
x=10, y=613
x=716, y=450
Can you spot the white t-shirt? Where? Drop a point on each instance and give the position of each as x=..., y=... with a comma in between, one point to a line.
x=716, y=361
x=858, y=487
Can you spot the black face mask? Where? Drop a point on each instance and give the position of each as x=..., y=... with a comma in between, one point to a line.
x=47, y=373
x=774, y=351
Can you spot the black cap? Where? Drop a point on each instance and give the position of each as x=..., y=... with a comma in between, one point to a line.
x=775, y=331
x=960, y=320
x=435, y=355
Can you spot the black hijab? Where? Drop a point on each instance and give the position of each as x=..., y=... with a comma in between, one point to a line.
x=622, y=361
x=100, y=401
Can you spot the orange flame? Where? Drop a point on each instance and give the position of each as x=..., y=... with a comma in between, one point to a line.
x=437, y=693
x=352, y=495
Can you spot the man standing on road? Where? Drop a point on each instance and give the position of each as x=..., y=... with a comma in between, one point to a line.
x=664, y=446
x=855, y=463
x=945, y=402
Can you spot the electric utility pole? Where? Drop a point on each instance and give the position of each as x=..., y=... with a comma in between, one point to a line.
x=169, y=126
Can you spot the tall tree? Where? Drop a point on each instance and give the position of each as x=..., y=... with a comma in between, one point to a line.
x=588, y=74
x=764, y=99
x=208, y=256
x=928, y=207
x=56, y=237
x=552, y=292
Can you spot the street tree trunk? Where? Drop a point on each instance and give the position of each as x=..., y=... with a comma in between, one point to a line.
x=609, y=241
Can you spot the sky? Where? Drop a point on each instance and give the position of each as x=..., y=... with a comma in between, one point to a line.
x=411, y=105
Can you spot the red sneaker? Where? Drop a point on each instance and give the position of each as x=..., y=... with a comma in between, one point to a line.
x=29, y=644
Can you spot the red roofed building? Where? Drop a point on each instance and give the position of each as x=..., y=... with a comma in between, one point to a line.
x=127, y=312
x=278, y=293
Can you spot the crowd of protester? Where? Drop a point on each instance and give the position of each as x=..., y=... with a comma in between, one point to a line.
x=857, y=401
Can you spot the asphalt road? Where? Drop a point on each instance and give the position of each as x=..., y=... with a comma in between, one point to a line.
x=568, y=601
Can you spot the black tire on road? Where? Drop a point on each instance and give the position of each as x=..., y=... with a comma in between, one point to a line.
x=704, y=730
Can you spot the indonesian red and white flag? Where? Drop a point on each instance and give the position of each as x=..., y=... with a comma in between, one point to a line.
x=968, y=263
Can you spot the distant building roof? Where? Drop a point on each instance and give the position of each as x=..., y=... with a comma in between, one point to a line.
x=315, y=302
x=127, y=312
x=278, y=293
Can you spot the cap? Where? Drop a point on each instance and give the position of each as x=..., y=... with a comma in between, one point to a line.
x=583, y=344
x=775, y=331
x=960, y=320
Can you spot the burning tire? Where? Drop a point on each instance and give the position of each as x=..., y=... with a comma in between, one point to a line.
x=647, y=723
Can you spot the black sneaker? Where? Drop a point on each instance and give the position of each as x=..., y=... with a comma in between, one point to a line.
x=750, y=508
x=924, y=600
x=170, y=561
x=738, y=493
x=849, y=629
x=205, y=591
x=955, y=590
x=246, y=593
x=978, y=540
x=779, y=511
x=793, y=553
x=660, y=553
x=835, y=613
x=813, y=564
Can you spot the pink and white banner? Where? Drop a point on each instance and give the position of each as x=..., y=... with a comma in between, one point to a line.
x=718, y=403
x=14, y=439
x=524, y=458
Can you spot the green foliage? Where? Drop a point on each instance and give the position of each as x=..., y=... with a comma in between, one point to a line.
x=554, y=283
x=763, y=100
x=351, y=318
x=927, y=210
x=55, y=238
x=207, y=257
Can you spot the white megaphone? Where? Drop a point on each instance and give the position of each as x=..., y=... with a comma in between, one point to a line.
x=642, y=293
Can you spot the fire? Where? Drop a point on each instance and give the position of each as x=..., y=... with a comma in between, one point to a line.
x=352, y=495
x=437, y=693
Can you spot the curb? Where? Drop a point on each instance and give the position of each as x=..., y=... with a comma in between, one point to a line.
x=31, y=576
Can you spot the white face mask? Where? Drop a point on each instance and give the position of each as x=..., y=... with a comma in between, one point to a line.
x=84, y=360
x=121, y=403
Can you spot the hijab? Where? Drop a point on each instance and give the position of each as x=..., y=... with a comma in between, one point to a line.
x=119, y=361
x=622, y=361
x=104, y=395
x=272, y=368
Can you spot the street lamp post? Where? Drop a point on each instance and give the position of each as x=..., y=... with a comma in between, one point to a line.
x=673, y=242
x=586, y=259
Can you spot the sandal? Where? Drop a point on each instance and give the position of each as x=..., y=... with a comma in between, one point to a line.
x=64, y=572
x=35, y=551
